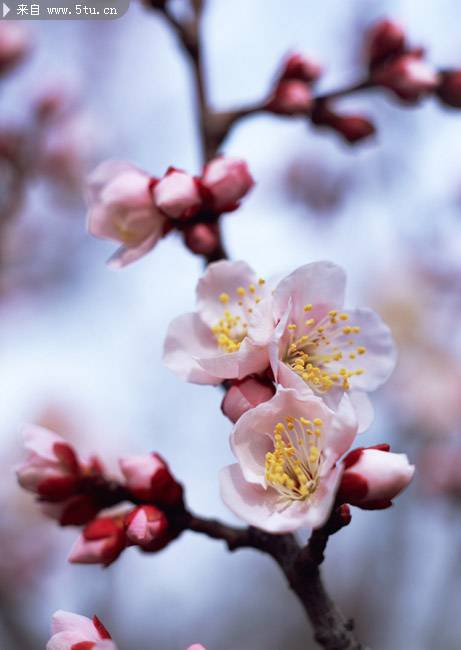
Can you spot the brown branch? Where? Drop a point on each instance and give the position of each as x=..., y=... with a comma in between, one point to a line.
x=300, y=566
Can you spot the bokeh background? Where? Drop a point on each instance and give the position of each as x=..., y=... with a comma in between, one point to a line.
x=81, y=344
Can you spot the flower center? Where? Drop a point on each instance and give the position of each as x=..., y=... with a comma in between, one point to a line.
x=316, y=355
x=232, y=328
x=293, y=467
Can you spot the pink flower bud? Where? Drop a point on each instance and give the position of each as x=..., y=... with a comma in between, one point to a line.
x=385, y=39
x=408, y=76
x=202, y=238
x=101, y=542
x=15, y=41
x=52, y=468
x=147, y=527
x=73, y=632
x=373, y=476
x=227, y=180
x=353, y=128
x=121, y=208
x=245, y=395
x=149, y=479
x=449, y=89
x=301, y=67
x=177, y=195
x=291, y=97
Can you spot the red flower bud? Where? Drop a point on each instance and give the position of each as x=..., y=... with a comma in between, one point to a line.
x=385, y=39
x=408, y=76
x=244, y=395
x=101, y=542
x=147, y=527
x=149, y=479
x=202, y=238
x=291, y=97
x=301, y=67
x=353, y=128
x=449, y=88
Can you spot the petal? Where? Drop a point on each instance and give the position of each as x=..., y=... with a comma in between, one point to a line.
x=319, y=284
x=257, y=506
x=379, y=358
x=386, y=473
x=67, y=640
x=69, y=622
x=222, y=277
x=103, y=173
x=187, y=340
x=41, y=441
x=364, y=409
x=127, y=255
x=249, y=359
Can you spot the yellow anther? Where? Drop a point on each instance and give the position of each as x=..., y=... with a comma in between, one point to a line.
x=292, y=327
x=251, y=288
x=224, y=298
x=361, y=350
x=240, y=291
x=347, y=329
x=308, y=307
x=318, y=422
x=310, y=322
x=332, y=313
x=344, y=316
x=261, y=281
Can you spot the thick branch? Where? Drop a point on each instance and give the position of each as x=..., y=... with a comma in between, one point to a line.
x=332, y=630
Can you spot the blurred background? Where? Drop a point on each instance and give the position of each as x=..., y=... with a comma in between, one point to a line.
x=81, y=344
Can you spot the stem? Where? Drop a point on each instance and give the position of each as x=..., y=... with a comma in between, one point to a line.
x=300, y=566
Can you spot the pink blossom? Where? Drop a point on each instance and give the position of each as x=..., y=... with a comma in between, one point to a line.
x=291, y=97
x=215, y=342
x=52, y=469
x=373, y=476
x=244, y=395
x=121, y=208
x=302, y=67
x=177, y=195
x=287, y=451
x=319, y=345
x=149, y=479
x=15, y=42
x=227, y=180
x=101, y=542
x=147, y=526
x=301, y=328
x=408, y=76
x=74, y=632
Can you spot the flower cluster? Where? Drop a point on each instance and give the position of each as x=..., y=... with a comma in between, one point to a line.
x=129, y=206
x=74, y=632
x=297, y=367
x=76, y=492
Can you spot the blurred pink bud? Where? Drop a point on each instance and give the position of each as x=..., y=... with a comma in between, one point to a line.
x=301, y=67
x=196, y=646
x=101, y=542
x=177, y=195
x=73, y=632
x=449, y=88
x=385, y=39
x=408, y=76
x=291, y=97
x=15, y=42
x=373, y=476
x=202, y=238
x=121, y=208
x=52, y=468
x=147, y=527
x=245, y=395
x=227, y=180
x=353, y=128
x=149, y=479
x=53, y=102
